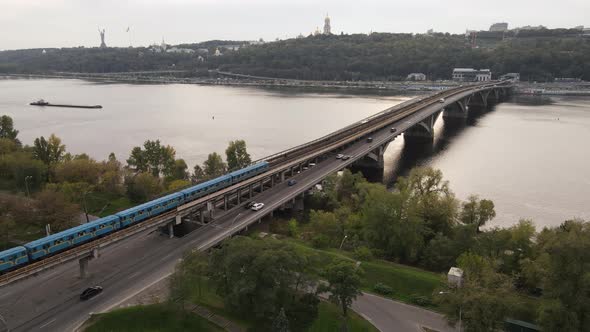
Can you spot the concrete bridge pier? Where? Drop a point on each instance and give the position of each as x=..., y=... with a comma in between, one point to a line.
x=423, y=130
x=171, y=230
x=373, y=159
x=83, y=262
x=458, y=110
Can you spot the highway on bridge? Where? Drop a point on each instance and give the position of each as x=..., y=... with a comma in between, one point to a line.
x=49, y=301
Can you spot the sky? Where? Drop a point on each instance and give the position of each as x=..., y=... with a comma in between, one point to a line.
x=70, y=23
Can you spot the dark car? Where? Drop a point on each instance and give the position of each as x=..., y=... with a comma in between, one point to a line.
x=346, y=157
x=90, y=292
x=393, y=130
x=249, y=205
x=291, y=182
x=369, y=139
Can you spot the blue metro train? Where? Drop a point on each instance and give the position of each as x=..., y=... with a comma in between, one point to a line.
x=49, y=245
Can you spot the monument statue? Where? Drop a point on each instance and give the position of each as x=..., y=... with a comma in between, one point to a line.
x=102, y=44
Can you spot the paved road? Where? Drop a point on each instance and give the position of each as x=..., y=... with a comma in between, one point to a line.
x=388, y=315
x=49, y=301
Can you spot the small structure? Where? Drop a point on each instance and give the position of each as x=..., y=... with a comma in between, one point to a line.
x=327, y=26
x=499, y=27
x=472, y=75
x=455, y=277
x=180, y=50
x=217, y=52
x=515, y=77
x=102, y=43
x=416, y=77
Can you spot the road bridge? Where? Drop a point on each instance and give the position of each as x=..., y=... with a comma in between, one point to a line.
x=219, y=214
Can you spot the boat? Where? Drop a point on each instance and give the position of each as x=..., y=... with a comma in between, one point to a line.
x=42, y=102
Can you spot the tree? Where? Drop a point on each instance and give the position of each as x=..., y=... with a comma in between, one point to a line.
x=280, y=323
x=142, y=187
x=198, y=173
x=484, y=300
x=53, y=208
x=236, y=155
x=214, y=165
x=256, y=278
x=566, y=282
x=178, y=184
x=7, y=129
x=78, y=170
x=49, y=151
x=191, y=270
x=477, y=212
x=155, y=158
x=344, y=282
x=179, y=172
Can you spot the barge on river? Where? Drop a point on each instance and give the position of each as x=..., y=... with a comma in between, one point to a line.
x=42, y=102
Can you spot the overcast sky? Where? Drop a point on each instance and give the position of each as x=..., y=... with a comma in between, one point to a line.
x=64, y=23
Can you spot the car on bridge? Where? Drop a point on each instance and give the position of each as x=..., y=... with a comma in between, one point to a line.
x=346, y=157
x=369, y=139
x=442, y=100
x=393, y=129
x=257, y=206
x=249, y=205
x=90, y=292
x=339, y=156
x=291, y=182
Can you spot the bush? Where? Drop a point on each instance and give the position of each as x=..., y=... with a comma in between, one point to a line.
x=320, y=241
x=420, y=300
x=362, y=254
x=382, y=289
x=293, y=228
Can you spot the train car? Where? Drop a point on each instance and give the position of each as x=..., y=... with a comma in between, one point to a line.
x=150, y=209
x=13, y=258
x=105, y=225
x=201, y=189
x=248, y=172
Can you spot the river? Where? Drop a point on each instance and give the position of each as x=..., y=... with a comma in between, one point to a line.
x=528, y=155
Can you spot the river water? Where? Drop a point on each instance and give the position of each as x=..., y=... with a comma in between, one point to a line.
x=528, y=155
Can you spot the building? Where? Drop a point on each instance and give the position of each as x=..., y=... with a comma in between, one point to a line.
x=416, y=77
x=217, y=52
x=471, y=75
x=499, y=27
x=586, y=32
x=530, y=27
x=327, y=27
x=455, y=277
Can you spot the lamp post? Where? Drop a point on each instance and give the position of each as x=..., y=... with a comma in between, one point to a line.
x=27, y=178
x=460, y=325
x=341, y=243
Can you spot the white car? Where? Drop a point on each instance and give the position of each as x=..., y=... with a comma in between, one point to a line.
x=339, y=156
x=442, y=100
x=257, y=206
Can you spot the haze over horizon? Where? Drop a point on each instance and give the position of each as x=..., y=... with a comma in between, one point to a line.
x=71, y=23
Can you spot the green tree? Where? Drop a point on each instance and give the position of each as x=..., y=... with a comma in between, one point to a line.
x=198, y=173
x=193, y=269
x=78, y=170
x=477, y=212
x=154, y=157
x=236, y=155
x=280, y=323
x=214, y=166
x=142, y=187
x=7, y=129
x=53, y=208
x=344, y=285
x=49, y=151
x=179, y=172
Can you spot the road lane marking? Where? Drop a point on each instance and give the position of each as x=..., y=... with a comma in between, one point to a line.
x=51, y=321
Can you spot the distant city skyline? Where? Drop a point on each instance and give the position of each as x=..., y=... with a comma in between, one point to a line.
x=71, y=23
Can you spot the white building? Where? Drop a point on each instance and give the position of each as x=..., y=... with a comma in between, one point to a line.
x=472, y=75
x=180, y=50
x=217, y=52
x=416, y=77
x=455, y=277
x=327, y=26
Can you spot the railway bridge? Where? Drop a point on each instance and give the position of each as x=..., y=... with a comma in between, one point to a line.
x=124, y=267
x=309, y=163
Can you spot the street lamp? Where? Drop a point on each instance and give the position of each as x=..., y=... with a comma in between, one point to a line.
x=460, y=326
x=27, y=178
x=341, y=243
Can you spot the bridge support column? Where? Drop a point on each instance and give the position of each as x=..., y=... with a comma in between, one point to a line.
x=272, y=181
x=423, y=130
x=458, y=110
x=171, y=230
x=282, y=176
x=239, y=193
x=225, y=202
x=250, y=191
x=202, y=215
x=83, y=262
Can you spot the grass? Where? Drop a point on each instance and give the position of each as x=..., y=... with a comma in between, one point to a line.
x=329, y=320
x=104, y=204
x=151, y=318
x=405, y=281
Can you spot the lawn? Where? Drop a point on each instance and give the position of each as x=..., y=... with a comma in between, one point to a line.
x=329, y=320
x=406, y=282
x=151, y=318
